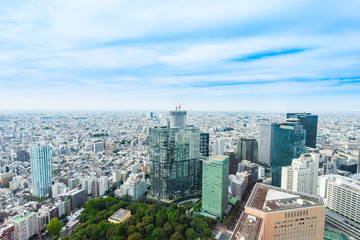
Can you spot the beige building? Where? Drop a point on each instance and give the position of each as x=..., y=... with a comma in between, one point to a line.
x=120, y=216
x=279, y=214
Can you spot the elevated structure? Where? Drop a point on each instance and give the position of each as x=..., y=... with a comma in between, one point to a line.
x=40, y=170
x=309, y=123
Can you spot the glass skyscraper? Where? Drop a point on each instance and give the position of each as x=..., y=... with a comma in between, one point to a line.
x=215, y=184
x=309, y=123
x=175, y=165
x=247, y=149
x=40, y=170
x=204, y=144
x=288, y=143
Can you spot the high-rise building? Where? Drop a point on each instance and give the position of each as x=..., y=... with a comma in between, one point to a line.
x=251, y=168
x=266, y=143
x=233, y=162
x=218, y=147
x=215, y=184
x=103, y=183
x=358, y=163
x=309, y=123
x=40, y=170
x=342, y=197
x=26, y=225
x=204, y=144
x=247, y=149
x=7, y=232
x=175, y=166
x=288, y=143
x=302, y=175
x=23, y=156
x=136, y=188
x=177, y=119
x=273, y=213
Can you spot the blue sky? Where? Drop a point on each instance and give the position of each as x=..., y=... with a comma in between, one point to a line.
x=226, y=55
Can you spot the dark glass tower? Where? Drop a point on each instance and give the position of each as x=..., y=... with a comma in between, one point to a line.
x=288, y=143
x=204, y=144
x=175, y=165
x=309, y=123
x=247, y=150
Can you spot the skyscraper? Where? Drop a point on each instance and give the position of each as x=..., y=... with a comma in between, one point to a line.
x=204, y=144
x=266, y=143
x=358, y=163
x=40, y=170
x=218, y=147
x=175, y=166
x=309, y=123
x=247, y=149
x=177, y=119
x=215, y=184
x=288, y=143
x=302, y=175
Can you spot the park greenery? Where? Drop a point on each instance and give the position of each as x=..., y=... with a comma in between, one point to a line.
x=54, y=227
x=149, y=220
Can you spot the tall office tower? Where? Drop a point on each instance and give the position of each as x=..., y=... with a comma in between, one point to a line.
x=177, y=119
x=274, y=213
x=215, y=184
x=302, y=175
x=358, y=163
x=309, y=123
x=288, y=143
x=266, y=143
x=233, y=162
x=175, y=165
x=342, y=197
x=40, y=170
x=250, y=167
x=247, y=150
x=218, y=147
x=204, y=144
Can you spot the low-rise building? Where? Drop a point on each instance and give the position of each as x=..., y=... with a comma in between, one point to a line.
x=120, y=216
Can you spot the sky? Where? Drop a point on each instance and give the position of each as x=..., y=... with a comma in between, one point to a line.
x=228, y=55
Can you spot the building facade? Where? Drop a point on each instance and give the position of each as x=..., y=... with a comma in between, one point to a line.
x=215, y=184
x=247, y=149
x=177, y=119
x=285, y=215
x=266, y=143
x=204, y=144
x=175, y=166
x=302, y=175
x=25, y=226
x=288, y=143
x=309, y=123
x=40, y=170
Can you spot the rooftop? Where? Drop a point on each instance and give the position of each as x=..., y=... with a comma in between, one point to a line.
x=120, y=214
x=248, y=227
x=269, y=198
x=19, y=219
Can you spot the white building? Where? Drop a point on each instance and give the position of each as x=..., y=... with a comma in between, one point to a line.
x=103, y=185
x=218, y=147
x=25, y=225
x=342, y=197
x=302, y=175
x=136, y=188
x=237, y=186
x=116, y=174
x=98, y=146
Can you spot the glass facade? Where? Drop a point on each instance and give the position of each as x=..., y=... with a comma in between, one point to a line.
x=309, y=123
x=288, y=143
x=204, y=144
x=40, y=170
x=247, y=150
x=215, y=184
x=175, y=166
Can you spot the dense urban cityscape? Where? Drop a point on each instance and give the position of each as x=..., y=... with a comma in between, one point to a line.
x=224, y=175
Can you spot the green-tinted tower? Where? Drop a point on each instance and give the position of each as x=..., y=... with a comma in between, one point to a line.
x=215, y=183
x=288, y=143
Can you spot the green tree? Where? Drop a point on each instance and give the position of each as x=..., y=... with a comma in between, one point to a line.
x=190, y=233
x=135, y=236
x=54, y=227
x=158, y=234
x=131, y=230
x=149, y=228
x=168, y=228
x=177, y=236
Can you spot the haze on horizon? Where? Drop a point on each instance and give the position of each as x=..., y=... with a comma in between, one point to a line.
x=268, y=55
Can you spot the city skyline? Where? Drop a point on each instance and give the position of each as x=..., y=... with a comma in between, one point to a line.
x=273, y=56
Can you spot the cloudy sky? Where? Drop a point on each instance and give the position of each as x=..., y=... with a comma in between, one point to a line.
x=269, y=55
